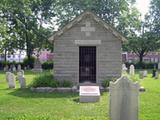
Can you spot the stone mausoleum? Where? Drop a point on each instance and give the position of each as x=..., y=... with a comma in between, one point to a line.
x=87, y=50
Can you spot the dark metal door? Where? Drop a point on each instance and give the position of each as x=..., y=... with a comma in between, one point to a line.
x=87, y=64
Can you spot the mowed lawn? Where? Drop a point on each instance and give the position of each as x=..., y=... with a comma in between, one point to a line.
x=17, y=104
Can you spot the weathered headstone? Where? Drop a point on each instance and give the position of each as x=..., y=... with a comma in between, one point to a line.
x=89, y=93
x=124, y=68
x=37, y=66
x=22, y=82
x=156, y=75
x=6, y=68
x=141, y=74
x=123, y=99
x=159, y=66
x=19, y=67
x=20, y=73
x=145, y=73
x=14, y=68
x=7, y=74
x=11, y=80
x=131, y=70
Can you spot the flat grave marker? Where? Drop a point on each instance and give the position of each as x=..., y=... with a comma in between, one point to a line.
x=89, y=93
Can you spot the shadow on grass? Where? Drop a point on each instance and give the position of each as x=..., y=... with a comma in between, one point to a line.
x=76, y=100
x=27, y=93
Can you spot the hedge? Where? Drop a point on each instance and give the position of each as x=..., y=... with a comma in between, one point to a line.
x=45, y=65
x=143, y=65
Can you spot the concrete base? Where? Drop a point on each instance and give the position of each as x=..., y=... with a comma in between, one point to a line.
x=89, y=94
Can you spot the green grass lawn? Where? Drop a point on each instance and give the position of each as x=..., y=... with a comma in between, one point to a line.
x=17, y=104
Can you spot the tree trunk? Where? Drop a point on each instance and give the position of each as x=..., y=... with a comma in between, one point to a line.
x=141, y=58
x=141, y=55
x=5, y=55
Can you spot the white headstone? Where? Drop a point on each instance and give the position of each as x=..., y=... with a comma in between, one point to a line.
x=11, y=80
x=19, y=67
x=124, y=68
x=123, y=99
x=89, y=93
x=131, y=70
x=145, y=73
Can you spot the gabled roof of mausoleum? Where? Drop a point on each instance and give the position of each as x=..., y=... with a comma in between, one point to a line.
x=82, y=16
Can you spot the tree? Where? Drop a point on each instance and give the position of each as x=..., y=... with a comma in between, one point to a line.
x=24, y=20
x=154, y=16
x=108, y=10
x=147, y=38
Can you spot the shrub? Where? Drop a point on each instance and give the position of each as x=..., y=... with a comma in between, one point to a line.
x=65, y=83
x=142, y=65
x=47, y=65
x=46, y=80
x=105, y=83
x=28, y=62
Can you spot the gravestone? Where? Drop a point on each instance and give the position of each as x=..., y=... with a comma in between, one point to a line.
x=37, y=66
x=131, y=70
x=11, y=80
x=141, y=74
x=156, y=75
x=19, y=67
x=22, y=82
x=20, y=73
x=14, y=68
x=159, y=66
x=124, y=68
x=123, y=99
x=89, y=93
x=7, y=74
x=6, y=68
x=145, y=72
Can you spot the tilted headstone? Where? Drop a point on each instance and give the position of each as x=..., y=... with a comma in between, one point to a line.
x=37, y=66
x=123, y=99
x=131, y=70
x=19, y=67
x=11, y=80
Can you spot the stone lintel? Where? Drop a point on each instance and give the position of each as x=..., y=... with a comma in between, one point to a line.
x=88, y=42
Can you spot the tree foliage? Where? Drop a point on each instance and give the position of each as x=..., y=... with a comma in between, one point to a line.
x=24, y=19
